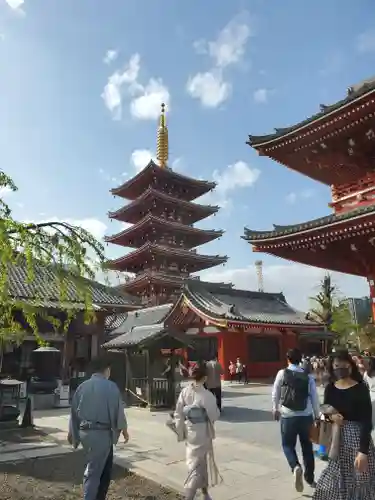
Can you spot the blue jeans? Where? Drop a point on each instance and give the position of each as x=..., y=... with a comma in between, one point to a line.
x=291, y=428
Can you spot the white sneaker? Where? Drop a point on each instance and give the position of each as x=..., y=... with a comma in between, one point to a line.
x=298, y=479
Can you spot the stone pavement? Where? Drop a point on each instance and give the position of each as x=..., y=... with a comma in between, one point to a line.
x=250, y=468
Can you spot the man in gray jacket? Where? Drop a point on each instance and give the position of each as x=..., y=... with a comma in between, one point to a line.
x=96, y=421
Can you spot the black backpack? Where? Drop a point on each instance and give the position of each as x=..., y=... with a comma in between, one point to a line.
x=295, y=390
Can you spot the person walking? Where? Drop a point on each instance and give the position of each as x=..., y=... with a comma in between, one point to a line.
x=194, y=418
x=351, y=472
x=295, y=402
x=239, y=370
x=213, y=382
x=97, y=419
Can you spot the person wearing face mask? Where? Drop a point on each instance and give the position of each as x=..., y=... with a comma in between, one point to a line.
x=352, y=473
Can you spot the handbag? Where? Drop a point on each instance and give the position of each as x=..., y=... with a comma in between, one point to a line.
x=321, y=432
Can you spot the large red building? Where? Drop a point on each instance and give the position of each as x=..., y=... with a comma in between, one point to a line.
x=335, y=147
x=161, y=214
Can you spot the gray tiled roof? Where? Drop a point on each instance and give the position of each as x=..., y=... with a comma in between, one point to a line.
x=142, y=317
x=242, y=305
x=45, y=291
x=136, y=336
x=251, y=235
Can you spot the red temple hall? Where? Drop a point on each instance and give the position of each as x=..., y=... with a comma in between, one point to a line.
x=161, y=214
x=336, y=147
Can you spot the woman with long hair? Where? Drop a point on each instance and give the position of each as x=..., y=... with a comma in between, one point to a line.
x=351, y=474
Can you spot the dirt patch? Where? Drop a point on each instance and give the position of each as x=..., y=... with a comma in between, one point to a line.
x=60, y=478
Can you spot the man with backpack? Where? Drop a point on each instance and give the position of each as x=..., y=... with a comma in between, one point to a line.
x=295, y=402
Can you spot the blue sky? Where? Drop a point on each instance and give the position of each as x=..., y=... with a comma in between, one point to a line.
x=81, y=84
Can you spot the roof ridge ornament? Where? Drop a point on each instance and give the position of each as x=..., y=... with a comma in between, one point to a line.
x=162, y=139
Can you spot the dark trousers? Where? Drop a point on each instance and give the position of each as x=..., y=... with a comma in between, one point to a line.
x=105, y=478
x=216, y=391
x=294, y=427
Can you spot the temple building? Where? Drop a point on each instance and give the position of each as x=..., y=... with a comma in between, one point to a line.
x=335, y=147
x=160, y=230
x=257, y=327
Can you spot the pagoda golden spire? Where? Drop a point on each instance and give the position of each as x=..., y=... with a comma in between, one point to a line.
x=162, y=139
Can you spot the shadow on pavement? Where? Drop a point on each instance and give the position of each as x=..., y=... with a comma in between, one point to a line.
x=240, y=414
x=238, y=394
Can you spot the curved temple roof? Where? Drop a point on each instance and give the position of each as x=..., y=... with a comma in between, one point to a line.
x=150, y=221
x=330, y=220
x=128, y=190
x=200, y=211
x=224, y=303
x=170, y=252
x=355, y=92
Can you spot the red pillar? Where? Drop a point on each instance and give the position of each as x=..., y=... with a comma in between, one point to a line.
x=231, y=344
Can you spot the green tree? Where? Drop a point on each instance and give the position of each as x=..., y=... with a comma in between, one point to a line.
x=58, y=244
x=332, y=310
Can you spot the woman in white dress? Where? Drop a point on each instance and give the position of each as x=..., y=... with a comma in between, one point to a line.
x=194, y=418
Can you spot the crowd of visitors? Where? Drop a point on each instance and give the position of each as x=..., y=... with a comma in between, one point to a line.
x=343, y=422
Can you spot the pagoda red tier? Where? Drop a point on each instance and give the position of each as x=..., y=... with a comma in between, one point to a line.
x=174, y=233
x=336, y=147
x=162, y=214
x=160, y=204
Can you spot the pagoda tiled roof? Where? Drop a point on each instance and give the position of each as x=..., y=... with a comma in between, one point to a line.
x=154, y=277
x=44, y=289
x=167, y=251
x=205, y=235
x=321, y=222
x=355, y=92
x=200, y=211
x=223, y=303
x=152, y=169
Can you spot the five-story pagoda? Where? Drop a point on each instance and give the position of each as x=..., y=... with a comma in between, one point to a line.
x=162, y=233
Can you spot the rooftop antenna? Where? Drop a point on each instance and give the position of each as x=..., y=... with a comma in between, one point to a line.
x=162, y=139
x=259, y=271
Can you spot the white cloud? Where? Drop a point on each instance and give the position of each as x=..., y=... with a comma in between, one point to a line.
x=146, y=106
x=293, y=197
x=366, y=42
x=261, y=96
x=145, y=100
x=298, y=282
x=209, y=88
x=113, y=91
x=5, y=191
x=94, y=226
x=110, y=56
x=15, y=4
x=235, y=176
x=229, y=47
x=140, y=158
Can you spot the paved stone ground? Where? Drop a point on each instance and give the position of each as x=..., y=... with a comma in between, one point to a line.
x=247, y=447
